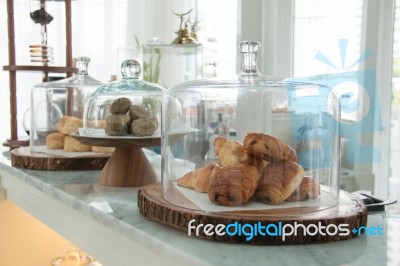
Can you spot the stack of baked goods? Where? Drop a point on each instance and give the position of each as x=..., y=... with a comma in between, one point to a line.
x=62, y=139
x=126, y=118
x=263, y=168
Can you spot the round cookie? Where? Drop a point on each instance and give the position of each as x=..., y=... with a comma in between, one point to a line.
x=138, y=111
x=117, y=125
x=120, y=106
x=144, y=126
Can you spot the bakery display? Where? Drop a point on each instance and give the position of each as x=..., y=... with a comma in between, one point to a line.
x=58, y=106
x=62, y=140
x=243, y=173
x=127, y=119
x=276, y=144
x=131, y=111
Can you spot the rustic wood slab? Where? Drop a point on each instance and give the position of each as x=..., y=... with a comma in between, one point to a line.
x=155, y=208
x=24, y=158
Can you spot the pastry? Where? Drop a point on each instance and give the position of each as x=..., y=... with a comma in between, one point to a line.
x=268, y=148
x=232, y=152
x=55, y=141
x=70, y=125
x=62, y=121
x=117, y=125
x=139, y=111
x=199, y=179
x=309, y=189
x=218, y=143
x=144, y=126
x=120, y=106
x=73, y=145
x=233, y=186
x=99, y=149
x=278, y=181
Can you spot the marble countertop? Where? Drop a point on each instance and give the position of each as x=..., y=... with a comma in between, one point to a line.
x=116, y=209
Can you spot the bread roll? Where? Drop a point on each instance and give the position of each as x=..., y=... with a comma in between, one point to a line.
x=73, y=145
x=55, y=141
x=62, y=121
x=71, y=125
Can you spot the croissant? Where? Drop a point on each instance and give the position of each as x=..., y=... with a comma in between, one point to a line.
x=199, y=178
x=233, y=186
x=268, y=148
x=309, y=189
x=278, y=181
x=232, y=152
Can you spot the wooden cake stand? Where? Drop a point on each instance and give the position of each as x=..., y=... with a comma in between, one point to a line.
x=353, y=213
x=23, y=158
x=128, y=166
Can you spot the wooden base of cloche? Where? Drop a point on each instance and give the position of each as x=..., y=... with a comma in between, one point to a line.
x=154, y=207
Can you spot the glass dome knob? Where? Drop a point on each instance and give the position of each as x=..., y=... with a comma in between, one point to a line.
x=130, y=69
x=82, y=64
x=249, y=50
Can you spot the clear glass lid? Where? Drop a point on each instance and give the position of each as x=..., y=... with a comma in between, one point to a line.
x=117, y=108
x=53, y=102
x=254, y=143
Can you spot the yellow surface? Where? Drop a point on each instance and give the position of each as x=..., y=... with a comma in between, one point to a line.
x=24, y=240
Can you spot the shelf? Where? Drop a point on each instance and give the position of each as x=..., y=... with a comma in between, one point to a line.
x=51, y=69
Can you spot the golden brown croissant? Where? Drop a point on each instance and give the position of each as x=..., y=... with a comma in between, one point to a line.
x=233, y=186
x=218, y=143
x=198, y=179
x=308, y=189
x=232, y=152
x=268, y=148
x=278, y=181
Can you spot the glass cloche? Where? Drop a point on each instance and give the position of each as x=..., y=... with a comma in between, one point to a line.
x=254, y=143
x=130, y=107
x=52, y=103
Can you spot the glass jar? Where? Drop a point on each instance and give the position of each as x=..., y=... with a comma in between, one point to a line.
x=50, y=101
x=251, y=143
x=167, y=64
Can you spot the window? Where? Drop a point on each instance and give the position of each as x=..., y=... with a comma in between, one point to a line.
x=394, y=179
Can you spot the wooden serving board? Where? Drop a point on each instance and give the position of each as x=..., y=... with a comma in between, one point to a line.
x=24, y=158
x=155, y=208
